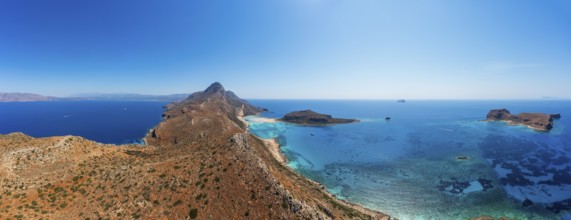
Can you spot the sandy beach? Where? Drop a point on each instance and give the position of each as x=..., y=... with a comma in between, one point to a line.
x=272, y=144
x=262, y=119
x=274, y=148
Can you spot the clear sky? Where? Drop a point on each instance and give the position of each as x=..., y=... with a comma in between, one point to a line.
x=313, y=49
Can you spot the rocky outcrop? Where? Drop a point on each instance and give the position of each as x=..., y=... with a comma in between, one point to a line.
x=202, y=112
x=538, y=121
x=217, y=91
x=309, y=117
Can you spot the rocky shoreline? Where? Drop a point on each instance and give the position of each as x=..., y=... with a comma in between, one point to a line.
x=537, y=121
x=309, y=117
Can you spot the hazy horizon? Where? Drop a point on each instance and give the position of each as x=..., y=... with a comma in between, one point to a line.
x=317, y=49
x=95, y=94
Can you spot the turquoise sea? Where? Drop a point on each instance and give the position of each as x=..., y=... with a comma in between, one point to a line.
x=407, y=166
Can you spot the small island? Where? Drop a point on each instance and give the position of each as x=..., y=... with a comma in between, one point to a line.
x=537, y=121
x=309, y=117
x=462, y=157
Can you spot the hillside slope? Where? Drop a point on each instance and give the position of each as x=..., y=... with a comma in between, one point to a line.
x=200, y=163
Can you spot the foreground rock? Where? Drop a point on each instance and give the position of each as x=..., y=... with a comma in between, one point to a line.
x=200, y=163
x=538, y=121
x=308, y=117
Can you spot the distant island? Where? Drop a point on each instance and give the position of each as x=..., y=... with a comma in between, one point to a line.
x=134, y=97
x=309, y=117
x=401, y=101
x=537, y=121
x=24, y=97
x=31, y=97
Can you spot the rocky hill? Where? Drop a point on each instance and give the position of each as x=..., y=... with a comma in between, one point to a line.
x=538, y=121
x=309, y=117
x=200, y=163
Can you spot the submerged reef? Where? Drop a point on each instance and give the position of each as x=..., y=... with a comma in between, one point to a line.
x=455, y=187
x=557, y=207
x=531, y=173
x=460, y=187
x=538, y=121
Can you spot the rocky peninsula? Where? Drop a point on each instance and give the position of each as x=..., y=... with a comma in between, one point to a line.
x=309, y=117
x=537, y=121
x=199, y=163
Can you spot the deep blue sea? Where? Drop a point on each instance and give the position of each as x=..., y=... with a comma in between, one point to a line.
x=112, y=122
x=408, y=167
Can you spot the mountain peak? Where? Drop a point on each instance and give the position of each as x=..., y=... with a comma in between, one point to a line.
x=214, y=87
x=217, y=94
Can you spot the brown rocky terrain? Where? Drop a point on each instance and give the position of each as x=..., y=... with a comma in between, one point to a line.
x=538, y=121
x=309, y=117
x=199, y=163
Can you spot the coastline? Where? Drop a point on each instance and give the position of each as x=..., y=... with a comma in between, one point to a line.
x=275, y=149
x=262, y=119
x=511, y=123
x=272, y=144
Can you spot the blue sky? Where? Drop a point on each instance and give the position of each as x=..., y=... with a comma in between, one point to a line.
x=308, y=49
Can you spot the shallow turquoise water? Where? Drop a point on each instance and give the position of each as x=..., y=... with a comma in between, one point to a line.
x=407, y=166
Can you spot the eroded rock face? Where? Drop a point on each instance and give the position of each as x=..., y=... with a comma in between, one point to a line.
x=205, y=113
x=538, y=121
x=216, y=92
x=309, y=117
x=498, y=114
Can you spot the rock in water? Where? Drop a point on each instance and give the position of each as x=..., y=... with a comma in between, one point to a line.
x=538, y=121
x=527, y=203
